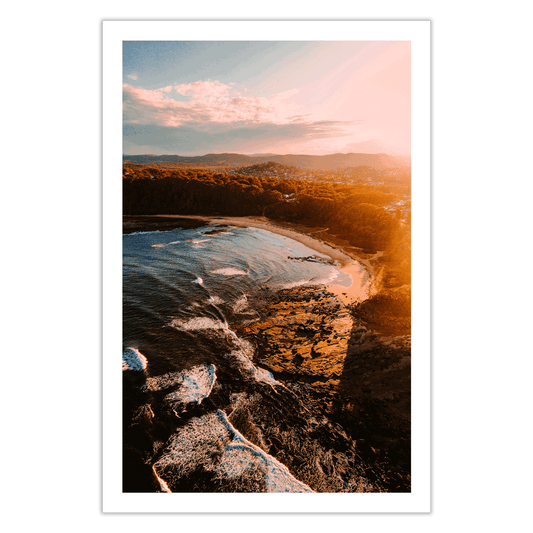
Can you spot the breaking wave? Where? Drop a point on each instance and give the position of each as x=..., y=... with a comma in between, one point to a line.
x=210, y=443
x=241, y=304
x=197, y=324
x=230, y=272
x=180, y=303
x=195, y=385
x=132, y=359
x=141, y=233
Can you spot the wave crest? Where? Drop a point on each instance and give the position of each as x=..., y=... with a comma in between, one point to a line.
x=212, y=444
x=132, y=359
x=230, y=272
x=197, y=324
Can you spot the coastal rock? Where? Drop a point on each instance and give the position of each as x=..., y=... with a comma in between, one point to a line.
x=316, y=398
x=308, y=336
x=209, y=453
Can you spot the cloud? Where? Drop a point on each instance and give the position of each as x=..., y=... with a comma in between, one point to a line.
x=188, y=117
x=207, y=91
x=132, y=76
x=205, y=102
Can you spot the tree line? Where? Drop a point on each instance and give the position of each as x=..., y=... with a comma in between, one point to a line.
x=355, y=212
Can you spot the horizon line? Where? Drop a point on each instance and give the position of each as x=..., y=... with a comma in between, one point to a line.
x=268, y=154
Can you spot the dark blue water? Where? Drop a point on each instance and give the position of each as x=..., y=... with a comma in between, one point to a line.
x=183, y=289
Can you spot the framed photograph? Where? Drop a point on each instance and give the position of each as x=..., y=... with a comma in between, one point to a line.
x=266, y=266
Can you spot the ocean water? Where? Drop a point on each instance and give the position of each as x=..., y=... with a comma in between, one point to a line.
x=182, y=289
x=185, y=293
x=202, y=410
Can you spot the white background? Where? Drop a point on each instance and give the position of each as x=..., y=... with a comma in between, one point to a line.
x=111, y=502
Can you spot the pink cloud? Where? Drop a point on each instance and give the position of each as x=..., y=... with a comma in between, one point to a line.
x=204, y=89
x=209, y=102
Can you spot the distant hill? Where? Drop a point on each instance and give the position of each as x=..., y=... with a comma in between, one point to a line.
x=268, y=169
x=311, y=162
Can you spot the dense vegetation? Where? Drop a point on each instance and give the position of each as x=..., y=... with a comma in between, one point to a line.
x=360, y=214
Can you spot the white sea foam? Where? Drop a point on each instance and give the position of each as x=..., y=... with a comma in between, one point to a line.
x=241, y=455
x=163, y=486
x=230, y=272
x=132, y=359
x=311, y=281
x=140, y=233
x=246, y=347
x=265, y=376
x=165, y=381
x=324, y=281
x=198, y=323
x=164, y=245
x=249, y=370
x=195, y=385
x=241, y=304
x=242, y=355
x=294, y=284
x=211, y=443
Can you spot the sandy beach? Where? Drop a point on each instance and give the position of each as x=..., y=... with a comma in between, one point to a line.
x=344, y=384
x=300, y=235
x=348, y=257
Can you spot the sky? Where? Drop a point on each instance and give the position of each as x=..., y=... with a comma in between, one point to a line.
x=291, y=97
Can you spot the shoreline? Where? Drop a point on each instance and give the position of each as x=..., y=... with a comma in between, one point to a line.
x=344, y=385
x=302, y=234
x=316, y=244
x=348, y=257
